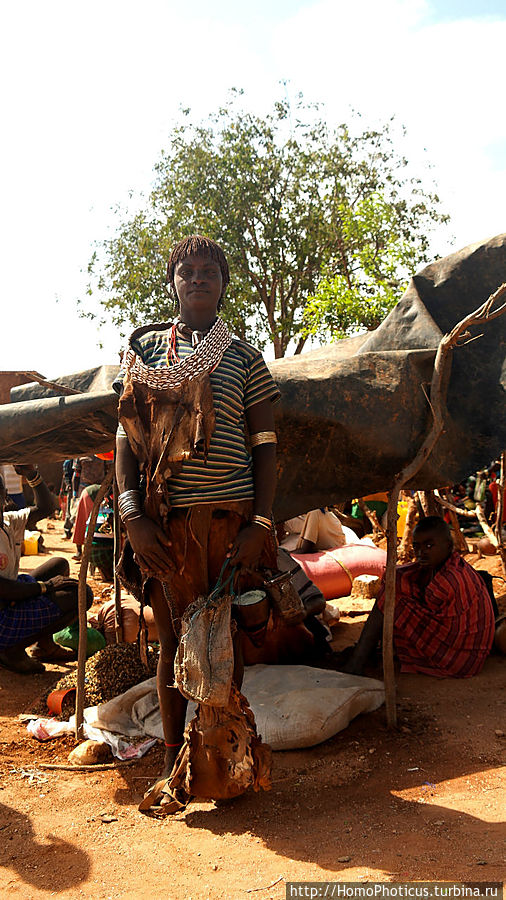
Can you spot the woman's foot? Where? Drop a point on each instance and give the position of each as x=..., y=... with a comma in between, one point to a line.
x=17, y=660
x=157, y=799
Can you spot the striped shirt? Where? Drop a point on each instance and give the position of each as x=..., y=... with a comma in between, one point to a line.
x=241, y=380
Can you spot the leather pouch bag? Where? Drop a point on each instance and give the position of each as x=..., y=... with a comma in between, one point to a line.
x=285, y=598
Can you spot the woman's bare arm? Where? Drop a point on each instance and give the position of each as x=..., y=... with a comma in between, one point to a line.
x=148, y=541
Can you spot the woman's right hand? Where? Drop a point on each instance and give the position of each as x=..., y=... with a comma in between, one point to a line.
x=150, y=545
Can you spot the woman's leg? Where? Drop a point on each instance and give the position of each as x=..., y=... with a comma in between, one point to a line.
x=52, y=567
x=172, y=703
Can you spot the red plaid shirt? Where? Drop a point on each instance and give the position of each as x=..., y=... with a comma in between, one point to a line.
x=445, y=628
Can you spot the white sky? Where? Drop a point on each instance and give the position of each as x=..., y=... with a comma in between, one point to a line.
x=90, y=92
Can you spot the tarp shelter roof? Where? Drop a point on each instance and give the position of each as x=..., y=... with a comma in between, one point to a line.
x=352, y=413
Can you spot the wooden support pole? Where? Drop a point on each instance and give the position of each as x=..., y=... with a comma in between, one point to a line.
x=389, y=609
x=117, y=553
x=83, y=625
x=499, y=513
x=438, y=392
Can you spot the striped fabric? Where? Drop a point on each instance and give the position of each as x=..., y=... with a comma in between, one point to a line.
x=241, y=380
x=24, y=620
x=446, y=630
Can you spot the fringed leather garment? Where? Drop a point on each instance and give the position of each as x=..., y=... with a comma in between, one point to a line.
x=222, y=754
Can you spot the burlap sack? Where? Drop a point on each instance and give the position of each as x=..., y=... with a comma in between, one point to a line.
x=204, y=662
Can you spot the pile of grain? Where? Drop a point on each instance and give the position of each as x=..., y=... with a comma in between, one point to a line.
x=108, y=673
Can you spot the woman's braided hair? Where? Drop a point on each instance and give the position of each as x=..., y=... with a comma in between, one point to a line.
x=197, y=245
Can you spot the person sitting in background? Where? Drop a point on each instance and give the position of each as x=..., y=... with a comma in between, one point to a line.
x=32, y=607
x=318, y=530
x=13, y=485
x=444, y=619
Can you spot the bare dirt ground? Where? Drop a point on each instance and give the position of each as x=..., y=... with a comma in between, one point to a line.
x=425, y=802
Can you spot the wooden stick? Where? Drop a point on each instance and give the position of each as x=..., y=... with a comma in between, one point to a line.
x=118, y=624
x=476, y=513
x=89, y=768
x=438, y=393
x=460, y=511
x=83, y=625
x=427, y=502
x=500, y=512
x=372, y=516
x=406, y=545
x=53, y=385
x=389, y=609
x=459, y=539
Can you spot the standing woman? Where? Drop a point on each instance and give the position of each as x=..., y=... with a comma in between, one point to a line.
x=191, y=394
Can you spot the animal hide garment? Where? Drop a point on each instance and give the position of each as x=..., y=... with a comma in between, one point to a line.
x=221, y=757
x=164, y=428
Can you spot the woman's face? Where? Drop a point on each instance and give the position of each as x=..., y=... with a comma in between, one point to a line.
x=199, y=284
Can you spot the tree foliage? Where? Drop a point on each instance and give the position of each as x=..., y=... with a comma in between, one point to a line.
x=321, y=226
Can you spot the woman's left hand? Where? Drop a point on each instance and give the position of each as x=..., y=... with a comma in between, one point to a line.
x=247, y=547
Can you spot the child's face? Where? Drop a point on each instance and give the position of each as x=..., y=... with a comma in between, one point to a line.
x=431, y=548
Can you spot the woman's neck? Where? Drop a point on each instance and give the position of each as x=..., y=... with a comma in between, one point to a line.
x=197, y=323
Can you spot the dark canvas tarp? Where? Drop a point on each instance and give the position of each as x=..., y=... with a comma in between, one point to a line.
x=351, y=413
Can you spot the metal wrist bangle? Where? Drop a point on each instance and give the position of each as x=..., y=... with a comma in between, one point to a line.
x=263, y=521
x=263, y=437
x=132, y=517
x=129, y=505
x=258, y=518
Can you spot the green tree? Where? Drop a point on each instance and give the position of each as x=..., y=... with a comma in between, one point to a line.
x=321, y=227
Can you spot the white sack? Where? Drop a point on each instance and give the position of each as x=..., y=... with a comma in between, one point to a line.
x=294, y=706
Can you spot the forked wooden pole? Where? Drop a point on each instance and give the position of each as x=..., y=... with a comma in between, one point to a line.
x=438, y=393
x=499, y=513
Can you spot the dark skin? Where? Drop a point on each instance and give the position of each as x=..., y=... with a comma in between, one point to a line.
x=199, y=287
x=12, y=590
x=52, y=573
x=432, y=549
